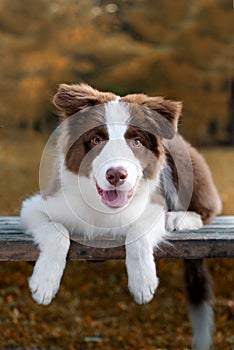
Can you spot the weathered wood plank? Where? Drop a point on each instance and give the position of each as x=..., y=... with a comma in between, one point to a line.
x=212, y=241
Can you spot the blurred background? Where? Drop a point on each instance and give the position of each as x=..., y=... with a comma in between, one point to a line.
x=182, y=50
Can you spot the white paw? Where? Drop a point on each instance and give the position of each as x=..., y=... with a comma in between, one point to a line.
x=181, y=221
x=142, y=285
x=45, y=280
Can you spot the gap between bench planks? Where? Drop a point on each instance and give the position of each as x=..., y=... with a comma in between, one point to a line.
x=212, y=241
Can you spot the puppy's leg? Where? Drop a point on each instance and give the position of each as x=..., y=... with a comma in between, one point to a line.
x=53, y=242
x=198, y=284
x=200, y=297
x=141, y=269
x=205, y=201
x=140, y=264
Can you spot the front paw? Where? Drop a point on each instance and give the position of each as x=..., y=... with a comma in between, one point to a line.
x=45, y=280
x=143, y=287
x=43, y=291
x=183, y=221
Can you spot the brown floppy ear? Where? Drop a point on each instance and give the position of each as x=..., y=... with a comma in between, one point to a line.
x=163, y=115
x=169, y=110
x=73, y=98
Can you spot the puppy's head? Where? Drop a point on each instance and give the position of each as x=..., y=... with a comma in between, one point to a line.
x=115, y=143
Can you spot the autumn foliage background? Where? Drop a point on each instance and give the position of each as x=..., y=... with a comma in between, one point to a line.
x=181, y=49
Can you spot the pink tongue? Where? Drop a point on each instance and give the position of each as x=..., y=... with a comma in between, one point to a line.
x=115, y=198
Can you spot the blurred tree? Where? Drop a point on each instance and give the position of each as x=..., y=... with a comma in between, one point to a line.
x=178, y=49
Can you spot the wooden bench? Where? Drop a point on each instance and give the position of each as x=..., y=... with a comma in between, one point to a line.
x=212, y=241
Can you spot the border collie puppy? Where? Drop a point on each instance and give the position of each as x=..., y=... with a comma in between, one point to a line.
x=122, y=170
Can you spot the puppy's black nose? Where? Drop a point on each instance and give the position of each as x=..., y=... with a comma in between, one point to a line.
x=116, y=176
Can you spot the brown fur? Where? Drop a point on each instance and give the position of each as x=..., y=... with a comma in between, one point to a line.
x=158, y=107
x=72, y=98
x=205, y=199
x=196, y=178
x=148, y=140
x=152, y=121
x=198, y=282
x=79, y=152
x=174, y=172
x=151, y=155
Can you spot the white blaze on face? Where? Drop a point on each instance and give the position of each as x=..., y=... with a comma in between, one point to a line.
x=116, y=171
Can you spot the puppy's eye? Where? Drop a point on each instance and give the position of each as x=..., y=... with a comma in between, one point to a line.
x=96, y=140
x=136, y=143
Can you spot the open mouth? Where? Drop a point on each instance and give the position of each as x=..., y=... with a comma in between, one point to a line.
x=114, y=198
